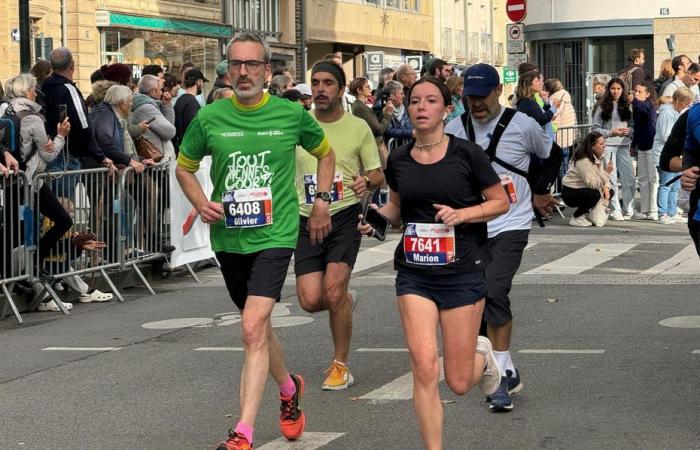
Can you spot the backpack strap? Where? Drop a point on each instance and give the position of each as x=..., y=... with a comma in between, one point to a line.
x=501, y=126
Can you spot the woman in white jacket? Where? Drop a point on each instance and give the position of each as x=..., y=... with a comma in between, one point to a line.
x=587, y=183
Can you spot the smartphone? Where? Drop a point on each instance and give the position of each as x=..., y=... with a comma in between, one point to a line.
x=62, y=112
x=379, y=223
x=150, y=120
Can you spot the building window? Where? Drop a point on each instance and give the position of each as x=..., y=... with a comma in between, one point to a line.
x=257, y=15
x=446, y=40
x=461, y=50
x=473, y=48
x=486, y=47
x=500, y=54
x=401, y=5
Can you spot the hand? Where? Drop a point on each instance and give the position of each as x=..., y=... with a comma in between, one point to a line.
x=49, y=147
x=389, y=108
x=609, y=168
x=689, y=178
x=5, y=171
x=93, y=246
x=211, y=212
x=148, y=162
x=11, y=162
x=319, y=223
x=556, y=103
x=365, y=229
x=545, y=204
x=616, y=132
x=358, y=185
x=138, y=167
x=63, y=128
x=544, y=95
x=625, y=131
x=108, y=163
x=143, y=125
x=450, y=216
x=606, y=193
x=167, y=97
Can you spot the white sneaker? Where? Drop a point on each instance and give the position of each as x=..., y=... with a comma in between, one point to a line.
x=95, y=296
x=678, y=218
x=653, y=216
x=616, y=215
x=53, y=307
x=665, y=220
x=491, y=377
x=580, y=221
x=638, y=216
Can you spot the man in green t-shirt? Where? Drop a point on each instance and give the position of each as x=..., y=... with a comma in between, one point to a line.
x=254, y=216
x=323, y=269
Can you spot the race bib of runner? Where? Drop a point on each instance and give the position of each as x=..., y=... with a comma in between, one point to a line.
x=509, y=186
x=429, y=244
x=247, y=208
x=310, y=188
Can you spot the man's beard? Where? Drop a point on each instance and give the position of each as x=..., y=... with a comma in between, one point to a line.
x=249, y=93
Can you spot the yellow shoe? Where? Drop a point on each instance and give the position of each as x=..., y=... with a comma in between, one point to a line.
x=339, y=377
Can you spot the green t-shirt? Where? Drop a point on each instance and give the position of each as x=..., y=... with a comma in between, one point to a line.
x=355, y=149
x=252, y=169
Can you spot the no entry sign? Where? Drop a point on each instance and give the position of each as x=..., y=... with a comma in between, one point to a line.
x=516, y=10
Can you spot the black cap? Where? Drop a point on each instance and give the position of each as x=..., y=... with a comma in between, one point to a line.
x=194, y=75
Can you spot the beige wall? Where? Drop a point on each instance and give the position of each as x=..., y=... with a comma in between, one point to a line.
x=687, y=38
x=345, y=22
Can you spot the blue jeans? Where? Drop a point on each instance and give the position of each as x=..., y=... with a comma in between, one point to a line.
x=622, y=163
x=64, y=186
x=668, y=195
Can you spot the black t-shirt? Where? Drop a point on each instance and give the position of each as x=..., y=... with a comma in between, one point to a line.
x=456, y=181
x=186, y=108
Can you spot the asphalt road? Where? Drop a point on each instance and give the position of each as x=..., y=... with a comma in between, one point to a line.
x=601, y=367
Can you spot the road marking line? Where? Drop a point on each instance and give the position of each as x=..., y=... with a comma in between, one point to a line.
x=81, y=349
x=381, y=350
x=218, y=349
x=684, y=262
x=530, y=245
x=375, y=256
x=399, y=389
x=309, y=441
x=582, y=259
x=561, y=351
x=695, y=352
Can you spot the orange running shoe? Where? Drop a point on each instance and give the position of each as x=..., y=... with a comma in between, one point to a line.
x=235, y=441
x=339, y=377
x=292, y=419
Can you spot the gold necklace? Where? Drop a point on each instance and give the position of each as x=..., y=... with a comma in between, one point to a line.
x=430, y=144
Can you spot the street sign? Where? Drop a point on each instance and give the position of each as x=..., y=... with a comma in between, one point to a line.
x=510, y=75
x=375, y=62
x=415, y=61
x=516, y=10
x=515, y=42
x=515, y=59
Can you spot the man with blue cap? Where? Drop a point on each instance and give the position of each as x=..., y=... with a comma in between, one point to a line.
x=510, y=139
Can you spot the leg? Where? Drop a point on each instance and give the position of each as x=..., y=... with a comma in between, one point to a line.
x=463, y=365
x=581, y=199
x=653, y=183
x=643, y=160
x=611, y=156
x=419, y=317
x=50, y=207
x=335, y=284
x=626, y=170
x=673, y=198
x=664, y=193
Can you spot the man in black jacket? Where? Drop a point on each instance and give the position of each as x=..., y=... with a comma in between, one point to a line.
x=62, y=96
x=222, y=80
x=187, y=105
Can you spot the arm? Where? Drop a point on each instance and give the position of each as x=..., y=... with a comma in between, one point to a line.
x=363, y=112
x=599, y=125
x=319, y=223
x=532, y=109
x=104, y=133
x=495, y=204
x=162, y=127
x=590, y=174
x=398, y=132
x=209, y=211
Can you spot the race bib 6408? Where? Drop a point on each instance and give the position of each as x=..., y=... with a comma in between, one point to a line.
x=430, y=244
x=246, y=208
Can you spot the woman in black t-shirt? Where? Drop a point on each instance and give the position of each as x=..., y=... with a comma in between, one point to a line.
x=443, y=189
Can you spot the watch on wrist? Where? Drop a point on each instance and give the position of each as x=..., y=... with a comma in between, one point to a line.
x=368, y=183
x=325, y=196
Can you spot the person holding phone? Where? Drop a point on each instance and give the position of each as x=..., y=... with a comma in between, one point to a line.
x=323, y=270
x=444, y=190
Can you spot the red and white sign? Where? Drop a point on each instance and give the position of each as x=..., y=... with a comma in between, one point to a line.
x=516, y=10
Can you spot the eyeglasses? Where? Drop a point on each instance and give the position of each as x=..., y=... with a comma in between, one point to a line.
x=250, y=64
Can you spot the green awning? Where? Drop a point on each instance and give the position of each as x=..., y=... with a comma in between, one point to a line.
x=214, y=30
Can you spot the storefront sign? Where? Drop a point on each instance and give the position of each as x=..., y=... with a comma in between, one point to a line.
x=515, y=59
x=510, y=75
x=375, y=62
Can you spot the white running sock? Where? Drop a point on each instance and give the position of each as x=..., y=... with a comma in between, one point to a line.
x=504, y=361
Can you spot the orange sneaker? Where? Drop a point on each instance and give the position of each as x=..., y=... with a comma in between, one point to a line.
x=292, y=419
x=235, y=441
x=339, y=377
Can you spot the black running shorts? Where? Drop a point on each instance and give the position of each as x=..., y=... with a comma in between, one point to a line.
x=507, y=253
x=341, y=245
x=445, y=290
x=261, y=273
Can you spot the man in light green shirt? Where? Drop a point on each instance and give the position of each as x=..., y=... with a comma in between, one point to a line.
x=323, y=269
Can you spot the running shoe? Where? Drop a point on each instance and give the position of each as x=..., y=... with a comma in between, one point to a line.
x=339, y=377
x=579, y=221
x=235, y=441
x=492, y=373
x=665, y=220
x=500, y=400
x=639, y=216
x=292, y=419
x=616, y=215
x=514, y=384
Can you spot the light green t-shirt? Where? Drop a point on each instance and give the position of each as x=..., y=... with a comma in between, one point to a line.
x=253, y=168
x=355, y=149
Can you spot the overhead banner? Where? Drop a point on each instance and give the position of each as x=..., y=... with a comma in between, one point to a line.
x=194, y=245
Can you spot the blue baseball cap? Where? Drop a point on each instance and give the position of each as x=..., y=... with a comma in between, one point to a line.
x=480, y=80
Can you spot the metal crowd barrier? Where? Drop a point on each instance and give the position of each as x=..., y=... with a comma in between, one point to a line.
x=16, y=237
x=567, y=137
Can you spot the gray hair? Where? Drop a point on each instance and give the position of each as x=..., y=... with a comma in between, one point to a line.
x=19, y=86
x=147, y=83
x=249, y=36
x=279, y=84
x=117, y=95
x=61, y=58
x=392, y=87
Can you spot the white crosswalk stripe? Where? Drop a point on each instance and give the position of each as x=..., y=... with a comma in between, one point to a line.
x=399, y=389
x=309, y=441
x=685, y=262
x=581, y=260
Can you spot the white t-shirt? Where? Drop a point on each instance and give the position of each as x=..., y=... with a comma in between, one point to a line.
x=521, y=138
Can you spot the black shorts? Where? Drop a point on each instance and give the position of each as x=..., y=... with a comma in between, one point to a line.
x=341, y=245
x=507, y=252
x=446, y=291
x=261, y=273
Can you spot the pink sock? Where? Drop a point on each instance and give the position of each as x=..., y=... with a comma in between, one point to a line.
x=246, y=430
x=288, y=388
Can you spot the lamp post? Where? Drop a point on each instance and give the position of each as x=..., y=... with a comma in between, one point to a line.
x=25, y=55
